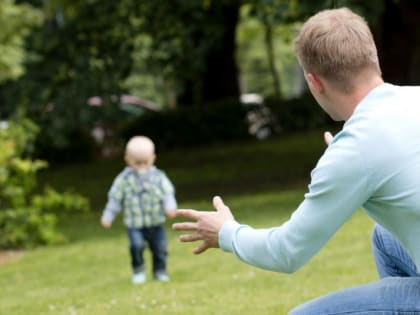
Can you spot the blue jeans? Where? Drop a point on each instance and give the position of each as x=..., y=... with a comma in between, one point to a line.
x=397, y=292
x=156, y=239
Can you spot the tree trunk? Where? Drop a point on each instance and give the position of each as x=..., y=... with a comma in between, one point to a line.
x=271, y=60
x=218, y=79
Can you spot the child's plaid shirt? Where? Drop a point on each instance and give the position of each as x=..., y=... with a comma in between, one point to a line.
x=144, y=198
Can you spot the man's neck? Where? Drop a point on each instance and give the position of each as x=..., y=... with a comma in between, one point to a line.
x=363, y=87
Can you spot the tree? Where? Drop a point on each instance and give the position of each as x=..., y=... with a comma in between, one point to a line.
x=83, y=49
x=271, y=13
x=398, y=39
x=185, y=49
x=197, y=40
x=16, y=21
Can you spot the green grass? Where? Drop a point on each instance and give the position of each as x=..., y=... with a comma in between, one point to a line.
x=90, y=274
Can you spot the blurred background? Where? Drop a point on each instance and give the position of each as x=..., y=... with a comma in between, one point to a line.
x=186, y=73
x=80, y=77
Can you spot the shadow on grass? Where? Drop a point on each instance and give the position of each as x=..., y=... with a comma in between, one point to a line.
x=230, y=170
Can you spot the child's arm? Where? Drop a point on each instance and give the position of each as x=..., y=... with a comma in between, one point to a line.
x=170, y=206
x=110, y=212
x=113, y=205
x=169, y=201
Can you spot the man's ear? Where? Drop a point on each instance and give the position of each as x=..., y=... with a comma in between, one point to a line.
x=315, y=82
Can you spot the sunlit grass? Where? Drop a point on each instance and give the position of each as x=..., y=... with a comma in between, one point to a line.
x=92, y=276
x=262, y=182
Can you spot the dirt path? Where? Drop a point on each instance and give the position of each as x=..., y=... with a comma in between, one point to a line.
x=8, y=255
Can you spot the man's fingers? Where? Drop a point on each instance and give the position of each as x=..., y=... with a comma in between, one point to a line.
x=221, y=208
x=184, y=226
x=204, y=226
x=200, y=249
x=219, y=204
x=191, y=237
x=187, y=213
x=328, y=137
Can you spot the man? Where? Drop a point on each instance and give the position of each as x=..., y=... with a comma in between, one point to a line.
x=372, y=163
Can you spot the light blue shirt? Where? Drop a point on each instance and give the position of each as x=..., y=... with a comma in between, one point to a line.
x=373, y=163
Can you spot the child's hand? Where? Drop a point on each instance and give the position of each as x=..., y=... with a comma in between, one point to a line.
x=106, y=224
x=170, y=214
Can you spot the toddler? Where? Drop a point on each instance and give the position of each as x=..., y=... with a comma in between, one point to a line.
x=147, y=197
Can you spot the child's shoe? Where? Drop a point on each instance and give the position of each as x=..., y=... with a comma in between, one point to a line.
x=161, y=276
x=139, y=277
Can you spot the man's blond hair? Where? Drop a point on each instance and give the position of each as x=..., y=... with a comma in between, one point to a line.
x=337, y=45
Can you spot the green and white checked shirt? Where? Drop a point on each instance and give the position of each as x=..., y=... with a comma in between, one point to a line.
x=144, y=198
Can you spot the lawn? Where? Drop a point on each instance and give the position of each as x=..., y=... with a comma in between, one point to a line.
x=90, y=273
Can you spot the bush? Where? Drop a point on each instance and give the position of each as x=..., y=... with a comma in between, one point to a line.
x=27, y=219
x=221, y=122
x=298, y=114
x=191, y=126
x=74, y=144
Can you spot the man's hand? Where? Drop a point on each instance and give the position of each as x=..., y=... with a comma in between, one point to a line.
x=328, y=137
x=206, y=226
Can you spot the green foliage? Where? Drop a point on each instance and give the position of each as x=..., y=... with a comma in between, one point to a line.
x=28, y=219
x=176, y=52
x=16, y=22
x=26, y=228
x=191, y=49
x=55, y=202
x=298, y=114
x=252, y=55
x=191, y=126
x=83, y=49
x=60, y=147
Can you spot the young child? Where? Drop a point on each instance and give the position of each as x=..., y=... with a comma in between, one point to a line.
x=146, y=195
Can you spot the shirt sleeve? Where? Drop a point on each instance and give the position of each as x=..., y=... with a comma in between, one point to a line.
x=169, y=200
x=114, y=202
x=339, y=186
